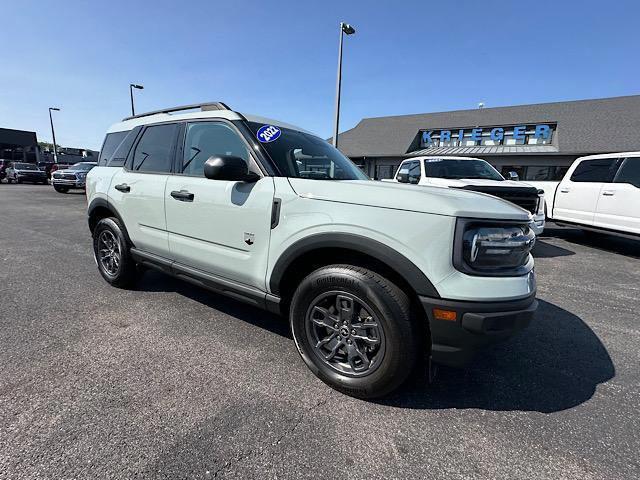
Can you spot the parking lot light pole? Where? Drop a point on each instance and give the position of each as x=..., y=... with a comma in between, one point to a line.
x=345, y=28
x=131, y=87
x=53, y=134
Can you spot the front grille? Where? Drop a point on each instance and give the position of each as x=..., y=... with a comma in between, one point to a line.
x=69, y=177
x=524, y=197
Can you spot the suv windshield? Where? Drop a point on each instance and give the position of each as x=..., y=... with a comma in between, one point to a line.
x=82, y=166
x=299, y=154
x=24, y=166
x=456, y=169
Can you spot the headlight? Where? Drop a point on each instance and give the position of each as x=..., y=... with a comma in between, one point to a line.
x=493, y=248
x=81, y=175
x=540, y=208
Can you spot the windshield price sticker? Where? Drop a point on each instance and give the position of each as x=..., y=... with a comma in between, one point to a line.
x=268, y=133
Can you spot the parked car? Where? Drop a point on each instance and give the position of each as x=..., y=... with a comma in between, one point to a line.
x=373, y=276
x=473, y=174
x=73, y=177
x=19, y=172
x=599, y=193
x=3, y=168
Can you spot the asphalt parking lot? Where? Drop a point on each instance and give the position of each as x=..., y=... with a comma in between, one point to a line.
x=170, y=381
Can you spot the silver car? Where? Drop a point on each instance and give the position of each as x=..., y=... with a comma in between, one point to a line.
x=73, y=177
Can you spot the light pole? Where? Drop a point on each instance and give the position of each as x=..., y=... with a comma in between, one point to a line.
x=349, y=30
x=131, y=87
x=53, y=134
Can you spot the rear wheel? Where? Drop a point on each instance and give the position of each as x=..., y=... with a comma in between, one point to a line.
x=353, y=329
x=112, y=255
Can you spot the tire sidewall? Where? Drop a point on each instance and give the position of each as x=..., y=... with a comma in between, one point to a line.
x=396, y=363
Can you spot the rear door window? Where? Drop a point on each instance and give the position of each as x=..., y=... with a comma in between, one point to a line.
x=629, y=172
x=154, y=152
x=600, y=170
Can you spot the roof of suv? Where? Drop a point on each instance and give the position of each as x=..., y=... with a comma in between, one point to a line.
x=181, y=114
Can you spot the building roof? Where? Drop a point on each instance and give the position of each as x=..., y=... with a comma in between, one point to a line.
x=583, y=127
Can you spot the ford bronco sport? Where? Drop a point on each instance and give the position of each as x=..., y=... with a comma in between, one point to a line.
x=374, y=277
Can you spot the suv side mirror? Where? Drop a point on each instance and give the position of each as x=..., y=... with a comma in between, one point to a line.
x=513, y=176
x=228, y=167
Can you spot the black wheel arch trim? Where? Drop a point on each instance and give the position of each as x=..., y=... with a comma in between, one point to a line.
x=104, y=203
x=361, y=244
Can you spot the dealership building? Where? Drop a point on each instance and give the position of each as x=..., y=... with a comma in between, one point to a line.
x=539, y=141
x=19, y=145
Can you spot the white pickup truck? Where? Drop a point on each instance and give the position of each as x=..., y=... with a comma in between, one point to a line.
x=473, y=174
x=599, y=193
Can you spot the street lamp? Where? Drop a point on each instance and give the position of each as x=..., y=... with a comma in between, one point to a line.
x=131, y=87
x=53, y=134
x=345, y=28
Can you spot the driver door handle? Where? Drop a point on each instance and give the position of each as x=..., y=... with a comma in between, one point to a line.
x=564, y=190
x=182, y=195
x=608, y=193
x=123, y=187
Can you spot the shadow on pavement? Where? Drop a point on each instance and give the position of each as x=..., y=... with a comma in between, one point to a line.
x=555, y=364
x=547, y=250
x=601, y=241
x=153, y=281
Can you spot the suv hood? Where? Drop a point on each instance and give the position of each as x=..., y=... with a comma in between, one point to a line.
x=426, y=199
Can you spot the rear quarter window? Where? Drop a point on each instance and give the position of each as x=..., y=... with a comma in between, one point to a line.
x=111, y=143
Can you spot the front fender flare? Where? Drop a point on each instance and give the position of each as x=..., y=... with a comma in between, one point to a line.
x=393, y=259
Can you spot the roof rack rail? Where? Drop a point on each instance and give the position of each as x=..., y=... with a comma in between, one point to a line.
x=202, y=106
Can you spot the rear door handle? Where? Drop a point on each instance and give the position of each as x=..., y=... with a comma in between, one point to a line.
x=182, y=195
x=608, y=193
x=123, y=187
x=564, y=190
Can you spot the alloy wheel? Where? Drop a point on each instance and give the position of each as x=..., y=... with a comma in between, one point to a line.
x=345, y=333
x=109, y=253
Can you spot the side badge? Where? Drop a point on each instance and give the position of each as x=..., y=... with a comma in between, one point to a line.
x=249, y=238
x=268, y=133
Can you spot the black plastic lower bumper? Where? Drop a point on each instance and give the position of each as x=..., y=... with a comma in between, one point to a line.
x=477, y=324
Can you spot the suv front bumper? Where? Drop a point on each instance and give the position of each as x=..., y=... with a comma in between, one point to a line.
x=476, y=325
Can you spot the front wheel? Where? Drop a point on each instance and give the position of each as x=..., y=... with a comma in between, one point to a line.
x=112, y=255
x=60, y=189
x=353, y=328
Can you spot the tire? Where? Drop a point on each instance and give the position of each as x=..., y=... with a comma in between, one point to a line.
x=60, y=189
x=370, y=299
x=120, y=271
x=9, y=181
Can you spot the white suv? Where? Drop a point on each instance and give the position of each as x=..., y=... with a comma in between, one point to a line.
x=373, y=276
x=473, y=174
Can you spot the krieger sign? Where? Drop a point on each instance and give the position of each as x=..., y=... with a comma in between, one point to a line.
x=517, y=135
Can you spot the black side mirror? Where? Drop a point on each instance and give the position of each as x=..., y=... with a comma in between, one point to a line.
x=228, y=167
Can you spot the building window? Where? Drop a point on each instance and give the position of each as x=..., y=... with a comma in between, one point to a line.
x=385, y=171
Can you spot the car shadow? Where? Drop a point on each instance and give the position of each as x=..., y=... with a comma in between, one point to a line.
x=555, y=364
x=600, y=241
x=154, y=281
x=543, y=249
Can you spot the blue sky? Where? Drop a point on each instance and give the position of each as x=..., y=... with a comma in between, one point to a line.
x=278, y=58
